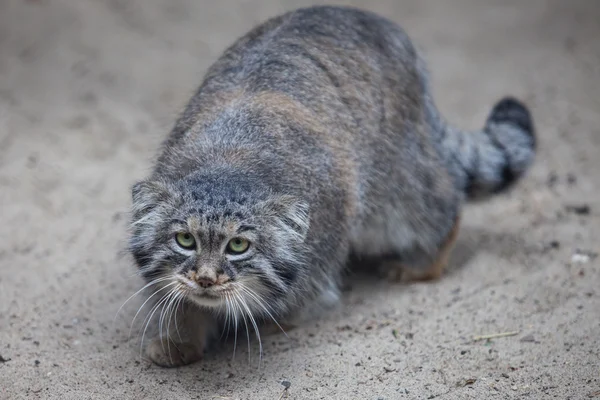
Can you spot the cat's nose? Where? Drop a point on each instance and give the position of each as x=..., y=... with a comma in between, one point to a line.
x=205, y=282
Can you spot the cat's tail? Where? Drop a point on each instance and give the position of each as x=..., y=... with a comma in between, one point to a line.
x=491, y=160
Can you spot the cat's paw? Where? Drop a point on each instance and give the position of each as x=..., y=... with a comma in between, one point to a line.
x=169, y=354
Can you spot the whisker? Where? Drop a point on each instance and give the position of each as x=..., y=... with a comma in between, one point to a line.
x=243, y=313
x=260, y=302
x=165, y=309
x=154, y=307
x=179, y=303
x=149, y=317
x=247, y=332
x=157, y=305
x=161, y=320
x=169, y=312
x=173, y=311
x=226, y=319
x=144, y=303
x=154, y=282
x=235, y=320
x=255, y=326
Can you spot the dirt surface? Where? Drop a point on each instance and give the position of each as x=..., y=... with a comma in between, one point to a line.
x=89, y=88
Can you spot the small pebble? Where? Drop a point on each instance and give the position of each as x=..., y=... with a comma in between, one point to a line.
x=286, y=384
x=582, y=209
x=583, y=256
x=528, y=338
x=579, y=258
x=552, y=179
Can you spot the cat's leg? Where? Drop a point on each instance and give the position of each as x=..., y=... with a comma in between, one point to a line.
x=422, y=267
x=185, y=342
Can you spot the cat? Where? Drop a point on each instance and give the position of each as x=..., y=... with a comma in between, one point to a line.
x=313, y=138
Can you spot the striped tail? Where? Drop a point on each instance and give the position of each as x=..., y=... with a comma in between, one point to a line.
x=491, y=160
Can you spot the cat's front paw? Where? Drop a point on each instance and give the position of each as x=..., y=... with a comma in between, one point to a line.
x=169, y=354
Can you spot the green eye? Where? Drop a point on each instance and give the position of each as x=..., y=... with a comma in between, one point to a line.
x=238, y=245
x=185, y=240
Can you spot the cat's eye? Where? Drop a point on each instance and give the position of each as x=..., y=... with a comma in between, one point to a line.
x=238, y=245
x=185, y=240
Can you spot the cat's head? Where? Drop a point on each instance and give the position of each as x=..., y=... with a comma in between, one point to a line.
x=220, y=241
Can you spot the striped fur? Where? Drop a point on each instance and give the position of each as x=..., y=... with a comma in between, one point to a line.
x=492, y=160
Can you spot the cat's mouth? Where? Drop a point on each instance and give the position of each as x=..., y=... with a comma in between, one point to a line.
x=212, y=296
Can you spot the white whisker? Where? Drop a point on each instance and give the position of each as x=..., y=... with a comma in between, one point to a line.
x=247, y=332
x=154, y=307
x=260, y=303
x=169, y=312
x=153, y=311
x=161, y=320
x=144, y=303
x=239, y=302
x=235, y=326
x=254, y=325
x=179, y=303
x=154, y=282
x=226, y=319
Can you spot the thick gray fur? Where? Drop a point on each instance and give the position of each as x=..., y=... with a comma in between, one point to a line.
x=318, y=129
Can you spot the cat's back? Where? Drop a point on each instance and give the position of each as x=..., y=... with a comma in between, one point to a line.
x=315, y=46
x=341, y=66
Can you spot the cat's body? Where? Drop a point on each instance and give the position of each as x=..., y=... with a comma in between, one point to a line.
x=315, y=138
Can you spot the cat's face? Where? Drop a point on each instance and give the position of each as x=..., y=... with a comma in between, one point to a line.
x=215, y=244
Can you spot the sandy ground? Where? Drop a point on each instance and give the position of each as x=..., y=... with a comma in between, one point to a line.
x=89, y=88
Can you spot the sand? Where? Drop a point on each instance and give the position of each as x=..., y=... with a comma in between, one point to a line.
x=89, y=88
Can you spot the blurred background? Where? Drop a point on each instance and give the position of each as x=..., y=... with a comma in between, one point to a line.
x=89, y=88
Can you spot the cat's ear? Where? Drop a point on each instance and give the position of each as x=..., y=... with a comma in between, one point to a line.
x=146, y=195
x=292, y=215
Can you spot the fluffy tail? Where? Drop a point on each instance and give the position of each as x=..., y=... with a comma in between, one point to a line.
x=490, y=161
